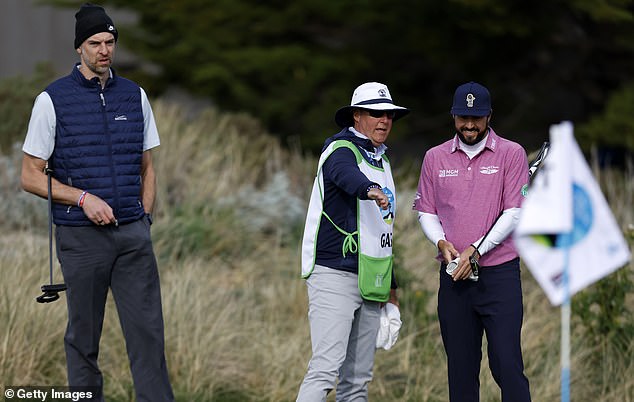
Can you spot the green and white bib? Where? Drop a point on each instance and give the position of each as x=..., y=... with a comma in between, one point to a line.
x=374, y=227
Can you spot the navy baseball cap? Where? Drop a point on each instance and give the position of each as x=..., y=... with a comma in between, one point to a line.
x=471, y=99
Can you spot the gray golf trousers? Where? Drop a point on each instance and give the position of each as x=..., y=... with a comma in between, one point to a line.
x=343, y=329
x=95, y=259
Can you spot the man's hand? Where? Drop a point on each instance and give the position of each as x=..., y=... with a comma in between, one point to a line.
x=393, y=298
x=97, y=210
x=463, y=271
x=447, y=250
x=380, y=197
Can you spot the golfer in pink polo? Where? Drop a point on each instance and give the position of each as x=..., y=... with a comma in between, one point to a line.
x=469, y=194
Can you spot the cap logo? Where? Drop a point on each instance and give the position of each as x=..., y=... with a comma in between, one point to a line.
x=382, y=93
x=470, y=99
x=110, y=27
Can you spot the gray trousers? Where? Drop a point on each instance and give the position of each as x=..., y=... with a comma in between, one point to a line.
x=343, y=329
x=94, y=259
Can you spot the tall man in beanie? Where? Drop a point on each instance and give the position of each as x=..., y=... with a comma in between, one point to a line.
x=347, y=247
x=468, y=199
x=95, y=131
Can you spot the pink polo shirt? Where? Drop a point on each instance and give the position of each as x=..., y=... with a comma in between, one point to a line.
x=469, y=194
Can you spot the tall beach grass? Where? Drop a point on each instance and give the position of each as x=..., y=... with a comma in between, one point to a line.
x=229, y=215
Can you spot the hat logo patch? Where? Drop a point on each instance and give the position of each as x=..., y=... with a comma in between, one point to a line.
x=470, y=99
x=110, y=27
x=382, y=93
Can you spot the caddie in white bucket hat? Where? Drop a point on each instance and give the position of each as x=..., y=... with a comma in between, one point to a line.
x=369, y=96
x=347, y=258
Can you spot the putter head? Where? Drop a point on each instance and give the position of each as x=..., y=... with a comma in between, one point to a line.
x=51, y=293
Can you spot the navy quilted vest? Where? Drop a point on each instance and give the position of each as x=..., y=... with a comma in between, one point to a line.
x=98, y=144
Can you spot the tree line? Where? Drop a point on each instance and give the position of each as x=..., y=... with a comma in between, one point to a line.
x=292, y=64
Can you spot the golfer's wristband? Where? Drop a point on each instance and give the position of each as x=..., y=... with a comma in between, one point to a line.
x=82, y=197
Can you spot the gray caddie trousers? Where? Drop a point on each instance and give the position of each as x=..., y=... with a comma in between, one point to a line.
x=343, y=329
x=94, y=259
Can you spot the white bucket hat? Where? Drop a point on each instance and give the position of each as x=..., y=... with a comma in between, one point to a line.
x=373, y=96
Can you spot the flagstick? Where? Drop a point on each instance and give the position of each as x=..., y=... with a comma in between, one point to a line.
x=565, y=332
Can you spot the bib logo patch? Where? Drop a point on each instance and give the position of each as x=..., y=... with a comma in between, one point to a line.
x=378, y=280
x=388, y=214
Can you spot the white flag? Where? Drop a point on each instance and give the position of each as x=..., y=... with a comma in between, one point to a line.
x=566, y=220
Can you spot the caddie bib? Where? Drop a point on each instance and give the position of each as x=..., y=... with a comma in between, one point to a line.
x=374, y=227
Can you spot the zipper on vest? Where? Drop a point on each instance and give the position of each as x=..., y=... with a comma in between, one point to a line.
x=70, y=183
x=115, y=190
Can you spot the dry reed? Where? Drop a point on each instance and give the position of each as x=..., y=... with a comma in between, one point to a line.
x=229, y=213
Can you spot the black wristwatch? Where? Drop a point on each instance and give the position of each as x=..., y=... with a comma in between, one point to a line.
x=149, y=217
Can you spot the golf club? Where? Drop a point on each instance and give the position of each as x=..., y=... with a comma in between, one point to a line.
x=50, y=291
x=533, y=167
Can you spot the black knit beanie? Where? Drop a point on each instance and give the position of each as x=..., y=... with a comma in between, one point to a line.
x=92, y=19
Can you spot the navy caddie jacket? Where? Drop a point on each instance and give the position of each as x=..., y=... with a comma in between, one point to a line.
x=344, y=183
